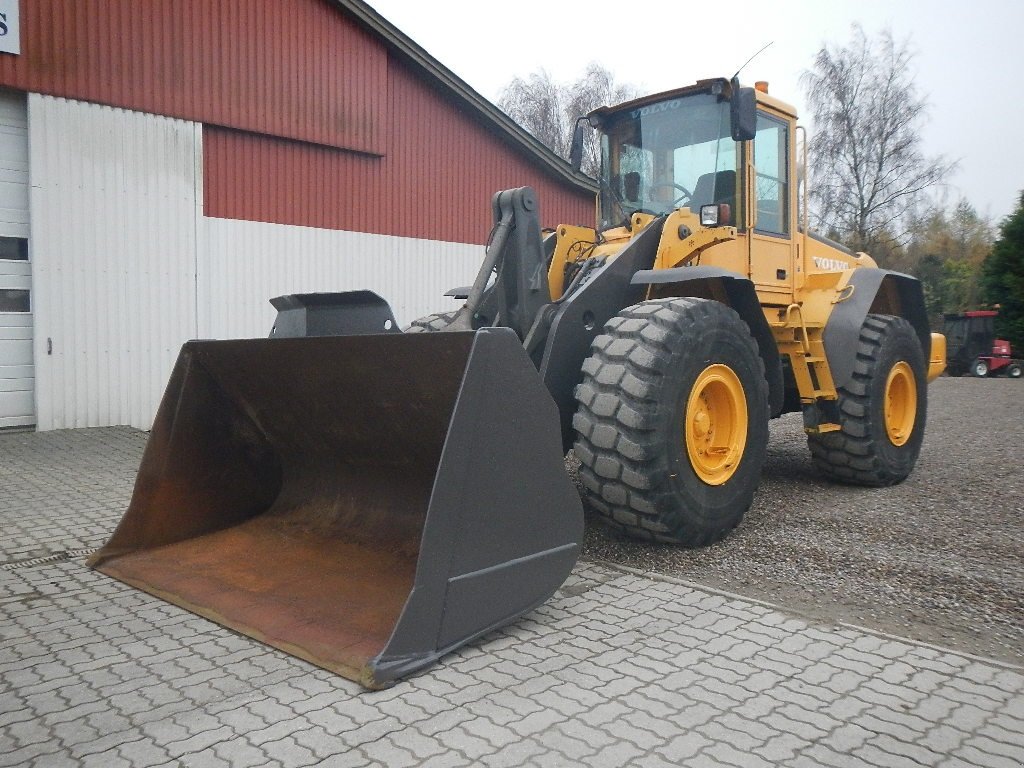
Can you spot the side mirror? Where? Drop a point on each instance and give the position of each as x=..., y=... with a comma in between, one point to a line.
x=742, y=112
x=576, y=150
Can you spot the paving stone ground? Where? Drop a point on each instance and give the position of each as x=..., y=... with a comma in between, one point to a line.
x=617, y=669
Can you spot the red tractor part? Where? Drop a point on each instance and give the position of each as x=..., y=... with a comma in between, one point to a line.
x=999, y=363
x=973, y=347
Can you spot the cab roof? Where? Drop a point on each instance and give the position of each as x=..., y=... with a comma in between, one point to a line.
x=716, y=85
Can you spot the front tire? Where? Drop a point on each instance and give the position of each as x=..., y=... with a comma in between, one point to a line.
x=1013, y=371
x=882, y=409
x=672, y=424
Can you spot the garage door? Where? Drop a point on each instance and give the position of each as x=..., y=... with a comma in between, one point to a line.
x=17, y=378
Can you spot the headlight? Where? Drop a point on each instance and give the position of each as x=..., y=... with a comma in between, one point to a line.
x=714, y=215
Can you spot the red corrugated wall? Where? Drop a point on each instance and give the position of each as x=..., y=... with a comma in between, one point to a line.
x=309, y=118
x=301, y=69
x=434, y=181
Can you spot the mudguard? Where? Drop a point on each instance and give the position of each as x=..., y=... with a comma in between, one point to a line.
x=878, y=291
x=742, y=297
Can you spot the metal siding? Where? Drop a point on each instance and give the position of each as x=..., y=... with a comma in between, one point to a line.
x=17, y=383
x=243, y=264
x=114, y=244
x=434, y=182
x=302, y=70
x=13, y=166
x=126, y=268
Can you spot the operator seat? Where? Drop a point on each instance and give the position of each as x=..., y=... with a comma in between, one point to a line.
x=714, y=188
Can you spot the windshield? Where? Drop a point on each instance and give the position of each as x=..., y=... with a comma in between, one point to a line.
x=672, y=154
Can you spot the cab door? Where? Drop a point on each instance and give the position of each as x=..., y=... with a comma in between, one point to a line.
x=769, y=211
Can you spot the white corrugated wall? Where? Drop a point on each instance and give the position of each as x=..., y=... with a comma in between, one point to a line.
x=114, y=206
x=17, y=382
x=126, y=267
x=245, y=263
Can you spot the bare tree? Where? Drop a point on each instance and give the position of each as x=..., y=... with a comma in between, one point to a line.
x=867, y=167
x=537, y=103
x=549, y=110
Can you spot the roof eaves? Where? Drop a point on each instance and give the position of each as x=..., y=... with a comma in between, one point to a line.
x=409, y=49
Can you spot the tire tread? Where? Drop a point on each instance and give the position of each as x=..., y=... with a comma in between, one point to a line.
x=851, y=454
x=624, y=470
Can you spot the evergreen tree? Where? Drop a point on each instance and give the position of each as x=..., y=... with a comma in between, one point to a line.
x=1003, y=278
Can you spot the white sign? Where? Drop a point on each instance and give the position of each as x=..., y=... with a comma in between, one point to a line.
x=10, y=28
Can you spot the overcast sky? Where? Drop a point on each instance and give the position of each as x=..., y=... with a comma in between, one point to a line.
x=969, y=58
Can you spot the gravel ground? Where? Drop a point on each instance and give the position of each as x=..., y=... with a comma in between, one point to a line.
x=937, y=558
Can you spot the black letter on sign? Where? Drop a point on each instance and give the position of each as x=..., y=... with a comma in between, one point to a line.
x=3, y=24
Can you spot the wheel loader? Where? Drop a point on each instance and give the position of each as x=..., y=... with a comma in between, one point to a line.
x=370, y=499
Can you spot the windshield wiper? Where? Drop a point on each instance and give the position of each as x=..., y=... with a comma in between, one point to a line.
x=618, y=202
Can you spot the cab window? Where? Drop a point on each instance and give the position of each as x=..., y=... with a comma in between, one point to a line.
x=771, y=159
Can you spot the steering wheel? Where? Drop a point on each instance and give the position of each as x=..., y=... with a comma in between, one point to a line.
x=686, y=196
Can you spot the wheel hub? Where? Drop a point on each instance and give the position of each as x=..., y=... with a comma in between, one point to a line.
x=702, y=422
x=715, y=427
x=900, y=403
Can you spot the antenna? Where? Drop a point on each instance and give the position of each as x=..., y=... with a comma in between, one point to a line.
x=751, y=59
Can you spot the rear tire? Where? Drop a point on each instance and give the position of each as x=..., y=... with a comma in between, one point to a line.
x=431, y=323
x=672, y=424
x=882, y=409
x=979, y=369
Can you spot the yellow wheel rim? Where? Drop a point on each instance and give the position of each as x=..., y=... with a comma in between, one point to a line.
x=900, y=403
x=716, y=424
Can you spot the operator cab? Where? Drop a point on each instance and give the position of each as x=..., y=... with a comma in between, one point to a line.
x=694, y=148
